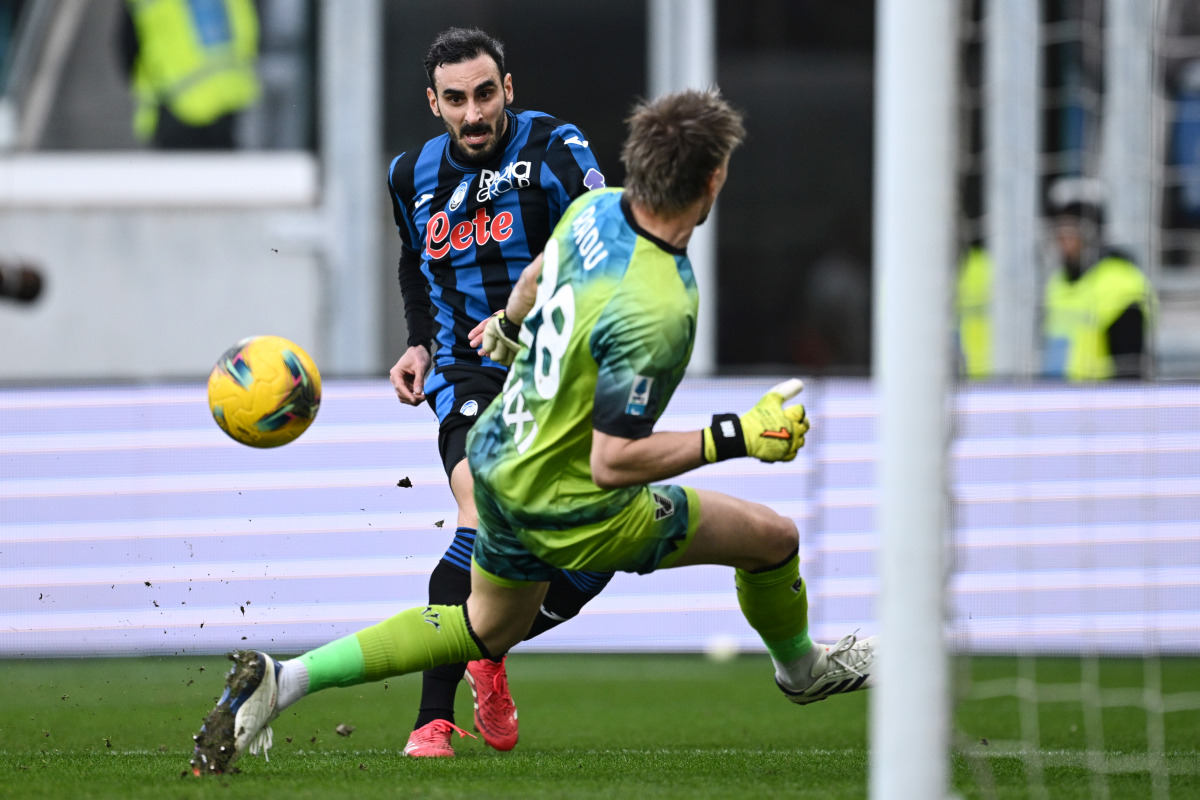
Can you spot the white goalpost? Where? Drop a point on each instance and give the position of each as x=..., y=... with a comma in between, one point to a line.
x=1067, y=562
x=914, y=248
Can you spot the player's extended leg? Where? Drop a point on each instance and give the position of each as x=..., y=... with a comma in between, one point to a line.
x=763, y=548
x=258, y=687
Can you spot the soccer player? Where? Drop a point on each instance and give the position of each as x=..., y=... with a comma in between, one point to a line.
x=473, y=207
x=565, y=461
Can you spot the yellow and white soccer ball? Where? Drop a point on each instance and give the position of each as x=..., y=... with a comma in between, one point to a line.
x=264, y=391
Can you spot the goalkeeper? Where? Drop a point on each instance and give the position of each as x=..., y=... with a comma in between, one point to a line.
x=565, y=461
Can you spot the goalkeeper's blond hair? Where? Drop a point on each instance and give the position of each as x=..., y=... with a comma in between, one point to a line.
x=675, y=143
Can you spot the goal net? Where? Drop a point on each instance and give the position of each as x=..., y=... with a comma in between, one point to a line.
x=1074, y=509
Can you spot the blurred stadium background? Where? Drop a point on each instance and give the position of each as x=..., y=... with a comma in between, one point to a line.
x=796, y=215
x=131, y=525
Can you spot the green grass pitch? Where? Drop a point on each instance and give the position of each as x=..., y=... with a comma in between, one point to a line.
x=640, y=726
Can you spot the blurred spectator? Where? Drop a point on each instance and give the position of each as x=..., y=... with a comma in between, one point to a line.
x=192, y=69
x=974, y=306
x=1098, y=304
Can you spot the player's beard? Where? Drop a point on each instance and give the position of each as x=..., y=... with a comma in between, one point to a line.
x=478, y=155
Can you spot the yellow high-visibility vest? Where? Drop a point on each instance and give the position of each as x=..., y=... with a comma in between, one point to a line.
x=195, y=57
x=973, y=302
x=1079, y=313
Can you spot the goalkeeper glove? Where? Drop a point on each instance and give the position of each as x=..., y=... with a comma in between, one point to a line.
x=500, y=338
x=769, y=432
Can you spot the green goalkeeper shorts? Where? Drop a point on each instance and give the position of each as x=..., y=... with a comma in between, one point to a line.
x=647, y=534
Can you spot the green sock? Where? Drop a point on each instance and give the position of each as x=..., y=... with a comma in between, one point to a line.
x=339, y=663
x=412, y=641
x=775, y=603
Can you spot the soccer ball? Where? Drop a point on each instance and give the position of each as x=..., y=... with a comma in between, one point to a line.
x=265, y=391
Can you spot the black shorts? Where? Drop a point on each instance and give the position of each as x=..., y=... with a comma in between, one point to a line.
x=458, y=395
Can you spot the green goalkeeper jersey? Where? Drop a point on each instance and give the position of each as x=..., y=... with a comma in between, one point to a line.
x=606, y=345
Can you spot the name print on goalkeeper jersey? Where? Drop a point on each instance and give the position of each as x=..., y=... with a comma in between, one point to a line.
x=476, y=227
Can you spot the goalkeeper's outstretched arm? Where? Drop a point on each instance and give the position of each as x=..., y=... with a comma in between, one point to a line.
x=768, y=432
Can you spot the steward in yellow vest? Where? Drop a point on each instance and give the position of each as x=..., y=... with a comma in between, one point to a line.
x=1096, y=320
x=973, y=301
x=192, y=68
x=1097, y=310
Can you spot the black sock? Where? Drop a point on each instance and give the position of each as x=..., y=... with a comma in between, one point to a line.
x=449, y=584
x=568, y=593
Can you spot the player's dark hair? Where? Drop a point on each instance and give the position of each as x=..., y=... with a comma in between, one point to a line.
x=456, y=45
x=675, y=143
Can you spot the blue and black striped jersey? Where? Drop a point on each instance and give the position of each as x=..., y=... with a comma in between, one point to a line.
x=474, y=228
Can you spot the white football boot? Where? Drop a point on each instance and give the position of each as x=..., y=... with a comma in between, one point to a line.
x=241, y=719
x=847, y=666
